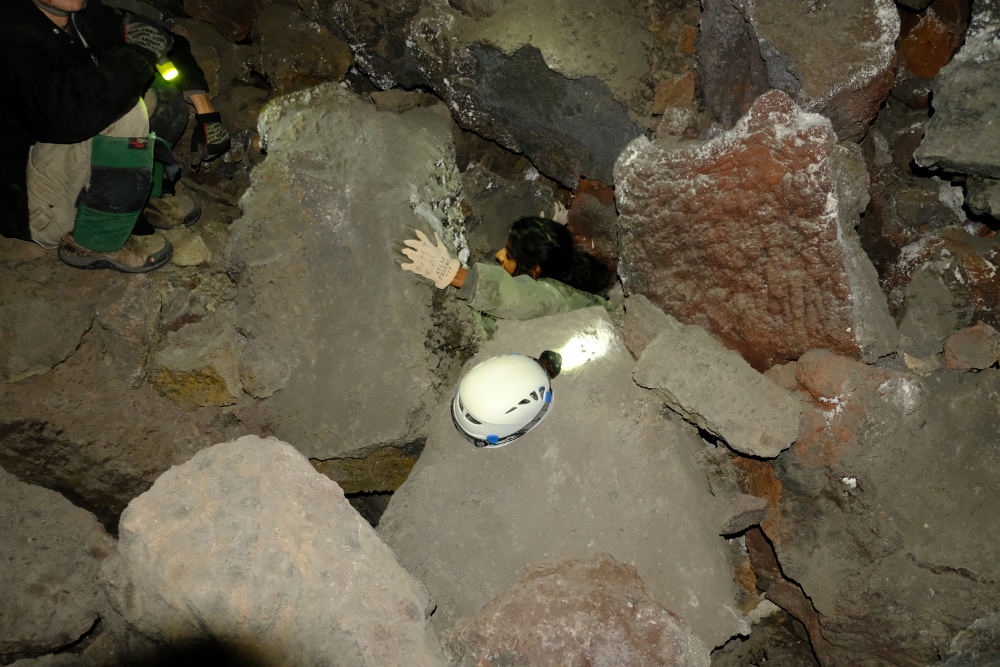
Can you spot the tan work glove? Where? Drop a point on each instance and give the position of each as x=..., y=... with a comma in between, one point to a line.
x=559, y=213
x=430, y=260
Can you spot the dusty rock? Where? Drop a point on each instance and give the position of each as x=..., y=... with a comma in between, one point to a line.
x=644, y=322
x=189, y=248
x=886, y=503
x=963, y=136
x=730, y=68
x=567, y=88
x=51, y=552
x=232, y=18
x=983, y=196
x=976, y=347
x=976, y=646
x=594, y=611
x=129, y=316
x=44, y=311
x=751, y=236
x=197, y=365
x=965, y=264
x=292, y=52
x=339, y=184
x=593, y=222
x=605, y=472
x=931, y=312
x=834, y=58
x=245, y=546
x=380, y=471
x=715, y=389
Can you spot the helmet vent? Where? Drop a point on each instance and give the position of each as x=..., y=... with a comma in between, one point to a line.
x=511, y=410
x=472, y=419
x=534, y=395
x=523, y=401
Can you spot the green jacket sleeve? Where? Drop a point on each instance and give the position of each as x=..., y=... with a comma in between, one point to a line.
x=492, y=290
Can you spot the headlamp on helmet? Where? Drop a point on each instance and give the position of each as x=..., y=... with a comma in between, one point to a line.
x=503, y=398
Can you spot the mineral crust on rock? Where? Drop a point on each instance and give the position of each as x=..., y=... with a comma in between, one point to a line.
x=751, y=235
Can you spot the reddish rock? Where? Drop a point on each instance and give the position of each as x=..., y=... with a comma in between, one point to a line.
x=927, y=43
x=591, y=611
x=976, y=347
x=593, y=222
x=232, y=18
x=750, y=235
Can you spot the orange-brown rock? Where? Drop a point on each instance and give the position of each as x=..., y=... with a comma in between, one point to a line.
x=750, y=235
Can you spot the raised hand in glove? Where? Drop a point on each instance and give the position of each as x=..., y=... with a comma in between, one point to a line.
x=210, y=138
x=430, y=260
x=152, y=39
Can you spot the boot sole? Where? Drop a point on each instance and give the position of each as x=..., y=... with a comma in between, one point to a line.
x=105, y=263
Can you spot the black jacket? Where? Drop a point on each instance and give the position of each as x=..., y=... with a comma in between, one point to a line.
x=62, y=87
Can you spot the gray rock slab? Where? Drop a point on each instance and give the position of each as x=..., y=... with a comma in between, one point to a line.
x=643, y=322
x=605, y=472
x=247, y=547
x=716, y=389
x=334, y=334
x=963, y=135
x=51, y=552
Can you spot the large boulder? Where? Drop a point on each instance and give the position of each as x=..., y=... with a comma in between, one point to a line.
x=247, y=549
x=332, y=331
x=885, y=513
x=51, y=552
x=751, y=235
x=568, y=87
x=963, y=135
x=834, y=58
x=576, y=611
x=605, y=472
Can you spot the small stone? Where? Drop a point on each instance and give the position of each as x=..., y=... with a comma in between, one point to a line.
x=976, y=347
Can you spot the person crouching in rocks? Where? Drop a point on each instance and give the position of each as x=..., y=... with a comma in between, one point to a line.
x=538, y=272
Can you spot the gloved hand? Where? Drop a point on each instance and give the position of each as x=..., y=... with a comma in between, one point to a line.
x=210, y=138
x=429, y=260
x=147, y=36
x=559, y=213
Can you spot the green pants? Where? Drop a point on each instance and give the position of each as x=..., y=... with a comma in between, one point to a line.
x=121, y=177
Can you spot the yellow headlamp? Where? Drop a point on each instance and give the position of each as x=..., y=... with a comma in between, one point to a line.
x=166, y=69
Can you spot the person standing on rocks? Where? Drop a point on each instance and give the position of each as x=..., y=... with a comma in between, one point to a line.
x=77, y=160
x=538, y=271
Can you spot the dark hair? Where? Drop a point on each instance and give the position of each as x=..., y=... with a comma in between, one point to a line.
x=548, y=245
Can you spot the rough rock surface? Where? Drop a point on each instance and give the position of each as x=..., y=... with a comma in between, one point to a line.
x=34, y=307
x=965, y=264
x=292, y=52
x=249, y=549
x=51, y=551
x=717, y=390
x=835, y=58
x=567, y=87
x=339, y=183
x=963, y=135
x=594, y=611
x=751, y=235
x=975, y=347
x=885, y=513
x=620, y=480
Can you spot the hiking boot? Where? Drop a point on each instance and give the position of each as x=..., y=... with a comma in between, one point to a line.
x=139, y=254
x=171, y=211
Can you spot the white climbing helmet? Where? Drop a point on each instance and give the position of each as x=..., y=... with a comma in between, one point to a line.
x=501, y=399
